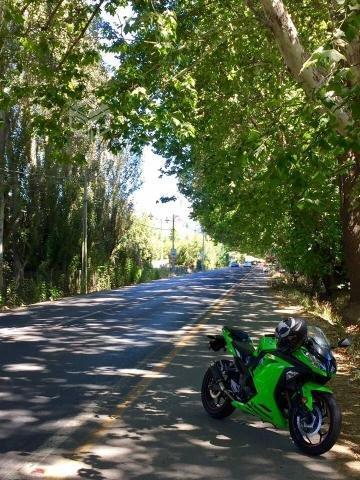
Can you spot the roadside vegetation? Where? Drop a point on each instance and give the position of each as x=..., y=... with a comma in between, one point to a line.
x=255, y=106
x=67, y=172
x=138, y=254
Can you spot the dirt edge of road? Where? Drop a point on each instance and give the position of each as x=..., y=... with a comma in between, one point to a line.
x=346, y=389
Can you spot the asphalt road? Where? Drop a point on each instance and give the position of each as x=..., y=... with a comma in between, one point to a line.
x=107, y=386
x=63, y=361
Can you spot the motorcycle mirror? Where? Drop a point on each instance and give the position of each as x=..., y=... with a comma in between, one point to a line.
x=344, y=343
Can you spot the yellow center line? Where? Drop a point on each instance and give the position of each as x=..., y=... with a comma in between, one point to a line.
x=143, y=384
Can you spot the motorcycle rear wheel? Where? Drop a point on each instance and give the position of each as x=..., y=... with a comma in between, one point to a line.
x=315, y=432
x=216, y=403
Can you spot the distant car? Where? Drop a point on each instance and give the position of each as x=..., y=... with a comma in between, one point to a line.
x=247, y=264
x=234, y=265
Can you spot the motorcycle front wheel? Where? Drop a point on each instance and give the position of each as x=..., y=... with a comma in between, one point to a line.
x=216, y=403
x=317, y=431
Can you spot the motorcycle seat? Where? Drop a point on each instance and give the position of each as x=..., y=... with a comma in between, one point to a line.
x=238, y=334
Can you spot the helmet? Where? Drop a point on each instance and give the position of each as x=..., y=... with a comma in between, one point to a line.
x=291, y=334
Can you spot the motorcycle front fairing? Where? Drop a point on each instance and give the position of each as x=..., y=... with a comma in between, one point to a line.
x=308, y=390
x=316, y=355
x=277, y=377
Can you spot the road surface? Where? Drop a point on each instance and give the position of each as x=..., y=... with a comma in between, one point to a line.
x=106, y=386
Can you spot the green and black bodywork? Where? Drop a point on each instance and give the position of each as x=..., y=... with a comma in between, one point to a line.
x=285, y=389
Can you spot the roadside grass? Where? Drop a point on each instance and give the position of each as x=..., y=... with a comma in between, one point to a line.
x=30, y=291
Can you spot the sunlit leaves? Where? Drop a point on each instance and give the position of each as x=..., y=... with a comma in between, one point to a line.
x=325, y=57
x=256, y=158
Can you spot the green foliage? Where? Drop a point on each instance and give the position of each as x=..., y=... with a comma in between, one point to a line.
x=30, y=290
x=50, y=63
x=188, y=253
x=257, y=158
x=46, y=61
x=206, y=85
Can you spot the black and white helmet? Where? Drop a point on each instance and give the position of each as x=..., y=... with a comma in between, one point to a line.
x=291, y=334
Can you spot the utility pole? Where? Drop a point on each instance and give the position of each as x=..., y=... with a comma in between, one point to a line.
x=89, y=119
x=161, y=239
x=173, y=232
x=84, y=261
x=173, y=253
x=3, y=136
x=203, y=251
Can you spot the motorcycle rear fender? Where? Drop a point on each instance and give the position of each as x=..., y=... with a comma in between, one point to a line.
x=308, y=389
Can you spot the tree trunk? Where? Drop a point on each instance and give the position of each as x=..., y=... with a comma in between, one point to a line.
x=350, y=222
x=3, y=119
x=2, y=195
x=279, y=21
x=13, y=214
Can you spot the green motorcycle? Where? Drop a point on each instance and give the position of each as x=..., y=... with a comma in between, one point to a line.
x=282, y=386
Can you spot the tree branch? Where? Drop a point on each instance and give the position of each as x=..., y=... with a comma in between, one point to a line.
x=286, y=36
x=82, y=33
x=52, y=15
x=25, y=7
x=352, y=54
x=294, y=55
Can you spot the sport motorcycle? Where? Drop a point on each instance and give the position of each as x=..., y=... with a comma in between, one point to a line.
x=286, y=389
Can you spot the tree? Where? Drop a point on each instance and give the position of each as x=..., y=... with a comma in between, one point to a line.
x=230, y=95
x=49, y=62
x=342, y=104
x=43, y=67
x=189, y=252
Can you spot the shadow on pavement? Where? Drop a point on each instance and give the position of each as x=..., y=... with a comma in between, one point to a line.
x=166, y=434
x=64, y=362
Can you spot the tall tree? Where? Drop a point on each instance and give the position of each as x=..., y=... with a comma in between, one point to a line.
x=341, y=103
x=50, y=61
x=232, y=93
x=44, y=55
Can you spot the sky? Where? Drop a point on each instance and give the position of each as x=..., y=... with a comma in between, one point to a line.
x=153, y=187
x=146, y=199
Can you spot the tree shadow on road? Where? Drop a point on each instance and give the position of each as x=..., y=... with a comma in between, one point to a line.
x=166, y=434
x=65, y=363
x=83, y=371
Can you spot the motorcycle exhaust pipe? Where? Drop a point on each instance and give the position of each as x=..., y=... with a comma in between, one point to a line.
x=220, y=380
